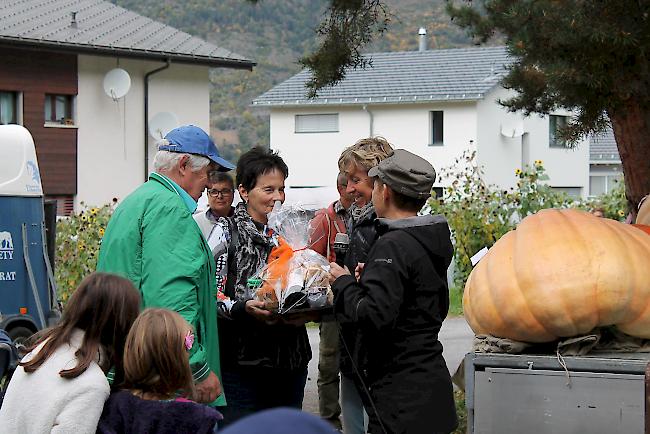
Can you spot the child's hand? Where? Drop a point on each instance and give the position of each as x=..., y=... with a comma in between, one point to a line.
x=336, y=271
x=209, y=389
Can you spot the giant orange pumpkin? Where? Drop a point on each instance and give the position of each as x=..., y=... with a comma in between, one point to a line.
x=559, y=274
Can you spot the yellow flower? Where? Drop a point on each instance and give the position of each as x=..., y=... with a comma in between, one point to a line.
x=538, y=162
x=518, y=172
x=101, y=232
x=84, y=218
x=93, y=211
x=621, y=212
x=81, y=247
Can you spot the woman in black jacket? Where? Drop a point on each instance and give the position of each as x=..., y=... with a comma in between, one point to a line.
x=399, y=304
x=263, y=363
x=355, y=161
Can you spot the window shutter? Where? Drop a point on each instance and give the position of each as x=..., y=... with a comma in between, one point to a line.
x=321, y=123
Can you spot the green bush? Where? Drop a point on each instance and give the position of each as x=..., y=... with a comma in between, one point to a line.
x=612, y=204
x=77, y=245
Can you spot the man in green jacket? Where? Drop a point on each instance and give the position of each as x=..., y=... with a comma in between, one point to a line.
x=153, y=241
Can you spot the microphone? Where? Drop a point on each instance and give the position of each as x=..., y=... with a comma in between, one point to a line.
x=341, y=243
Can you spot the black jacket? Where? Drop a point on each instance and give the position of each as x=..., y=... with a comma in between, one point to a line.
x=363, y=234
x=398, y=306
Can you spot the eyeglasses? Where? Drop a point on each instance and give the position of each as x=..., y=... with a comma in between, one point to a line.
x=216, y=193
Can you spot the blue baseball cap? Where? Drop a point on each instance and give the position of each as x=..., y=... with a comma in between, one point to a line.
x=191, y=139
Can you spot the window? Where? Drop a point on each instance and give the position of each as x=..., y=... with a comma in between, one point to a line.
x=8, y=108
x=601, y=184
x=58, y=109
x=436, y=121
x=322, y=123
x=556, y=123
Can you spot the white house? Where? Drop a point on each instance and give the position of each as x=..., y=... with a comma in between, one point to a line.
x=435, y=103
x=605, y=168
x=93, y=147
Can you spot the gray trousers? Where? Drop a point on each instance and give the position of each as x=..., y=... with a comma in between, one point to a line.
x=328, y=373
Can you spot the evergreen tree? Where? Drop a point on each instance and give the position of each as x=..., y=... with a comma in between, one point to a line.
x=591, y=57
x=588, y=56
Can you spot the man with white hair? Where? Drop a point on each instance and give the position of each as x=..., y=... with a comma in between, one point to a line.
x=153, y=241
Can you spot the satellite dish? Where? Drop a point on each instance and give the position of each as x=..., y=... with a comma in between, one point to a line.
x=117, y=83
x=162, y=123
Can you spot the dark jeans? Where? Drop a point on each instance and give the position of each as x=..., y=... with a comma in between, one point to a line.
x=251, y=389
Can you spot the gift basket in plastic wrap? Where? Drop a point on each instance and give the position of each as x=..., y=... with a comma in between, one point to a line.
x=294, y=278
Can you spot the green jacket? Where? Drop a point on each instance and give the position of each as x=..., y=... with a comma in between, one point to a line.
x=153, y=241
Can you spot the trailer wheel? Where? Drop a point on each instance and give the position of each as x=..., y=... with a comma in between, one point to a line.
x=20, y=335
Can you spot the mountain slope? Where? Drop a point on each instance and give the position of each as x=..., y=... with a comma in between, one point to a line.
x=275, y=34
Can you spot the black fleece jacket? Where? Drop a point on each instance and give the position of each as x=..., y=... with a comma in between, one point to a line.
x=398, y=307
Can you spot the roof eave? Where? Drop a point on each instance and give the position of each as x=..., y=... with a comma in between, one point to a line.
x=365, y=101
x=214, y=62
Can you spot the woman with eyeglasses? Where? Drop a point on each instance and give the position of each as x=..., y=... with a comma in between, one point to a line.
x=214, y=222
x=263, y=362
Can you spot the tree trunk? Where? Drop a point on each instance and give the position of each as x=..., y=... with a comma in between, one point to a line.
x=631, y=126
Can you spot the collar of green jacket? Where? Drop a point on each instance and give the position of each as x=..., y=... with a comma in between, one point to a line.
x=189, y=202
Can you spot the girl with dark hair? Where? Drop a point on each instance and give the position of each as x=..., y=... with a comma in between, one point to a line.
x=156, y=370
x=264, y=362
x=60, y=385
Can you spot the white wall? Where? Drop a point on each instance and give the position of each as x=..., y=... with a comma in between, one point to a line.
x=110, y=151
x=312, y=157
x=500, y=156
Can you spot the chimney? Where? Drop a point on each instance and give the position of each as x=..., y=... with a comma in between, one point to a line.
x=73, y=19
x=423, y=39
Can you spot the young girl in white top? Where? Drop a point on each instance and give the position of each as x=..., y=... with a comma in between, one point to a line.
x=158, y=381
x=61, y=385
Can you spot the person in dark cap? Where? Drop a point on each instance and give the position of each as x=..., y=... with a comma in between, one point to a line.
x=153, y=241
x=399, y=303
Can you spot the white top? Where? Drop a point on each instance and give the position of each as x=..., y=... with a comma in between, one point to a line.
x=44, y=402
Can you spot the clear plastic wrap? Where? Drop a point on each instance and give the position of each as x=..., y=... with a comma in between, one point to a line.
x=295, y=277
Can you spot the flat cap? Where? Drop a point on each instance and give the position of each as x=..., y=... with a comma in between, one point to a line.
x=406, y=173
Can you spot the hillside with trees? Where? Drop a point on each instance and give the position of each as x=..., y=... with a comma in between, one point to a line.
x=275, y=34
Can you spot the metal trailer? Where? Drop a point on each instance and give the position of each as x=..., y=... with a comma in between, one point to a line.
x=28, y=299
x=545, y=394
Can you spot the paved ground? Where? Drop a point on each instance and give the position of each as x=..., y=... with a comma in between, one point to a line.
x=456, y=337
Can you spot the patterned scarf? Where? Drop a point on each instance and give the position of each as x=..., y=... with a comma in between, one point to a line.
x=252, y=250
